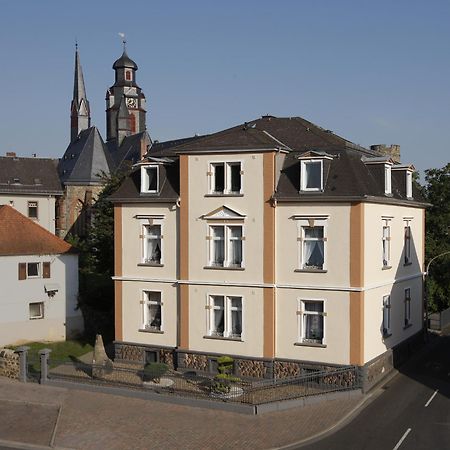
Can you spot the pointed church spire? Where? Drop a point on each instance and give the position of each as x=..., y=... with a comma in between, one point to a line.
x=80, y=113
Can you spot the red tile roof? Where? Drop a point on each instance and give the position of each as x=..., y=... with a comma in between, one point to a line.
x=19, y=235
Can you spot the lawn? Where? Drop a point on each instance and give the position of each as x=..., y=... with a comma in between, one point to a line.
x=60, y=351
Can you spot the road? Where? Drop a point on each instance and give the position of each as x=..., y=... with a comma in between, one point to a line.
x=412, y=413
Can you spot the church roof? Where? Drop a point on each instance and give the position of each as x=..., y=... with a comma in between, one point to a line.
x=19, y=235
x=85, y=159
x=29, y=176
x=129, y=150
x=124, y=61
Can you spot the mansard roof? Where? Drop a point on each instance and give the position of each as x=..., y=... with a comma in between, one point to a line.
x=85, y=159
x=20, y=235
x=29, y=176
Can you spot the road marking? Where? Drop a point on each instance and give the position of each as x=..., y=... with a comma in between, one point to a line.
x=431, y=398
x=402, y=439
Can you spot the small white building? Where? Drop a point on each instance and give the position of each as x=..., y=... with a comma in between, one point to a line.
x=39, y=282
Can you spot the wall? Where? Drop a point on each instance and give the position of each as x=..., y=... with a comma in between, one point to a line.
x=15, y=325
x=46, y=207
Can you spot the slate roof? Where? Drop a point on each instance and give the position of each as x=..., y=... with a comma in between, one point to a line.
x=85, y=159
x=124, y=61
x=130, y=149
x=19, y=235
x=346, y=176
x=29, y=176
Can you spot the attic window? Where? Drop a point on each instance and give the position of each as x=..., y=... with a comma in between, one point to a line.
x=387, y=179
x=16, y=180
x=409, y=184
x=149, y=179
x=311, y=175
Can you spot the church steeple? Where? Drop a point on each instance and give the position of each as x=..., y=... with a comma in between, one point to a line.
x=80, y=114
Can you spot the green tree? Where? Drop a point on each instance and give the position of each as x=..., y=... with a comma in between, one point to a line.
x=437, y=192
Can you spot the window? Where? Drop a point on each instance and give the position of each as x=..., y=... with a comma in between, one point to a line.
x=311, y=237
x=311, y=175
x=409, y=184
x=149, y=179
x=127, y=75
x=386, y=244
x=311, y=322
x=225, y=249
x=152, y=313
x=387, y=315
x=387, y=179
x=225, y=178
x=407, y=307
x=152, y=249
x=36, y=310
x=33, y=210
x=407, y=243
x=33, y=270
x=225, y=316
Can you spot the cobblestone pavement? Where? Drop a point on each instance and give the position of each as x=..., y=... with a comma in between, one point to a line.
x=90, y=420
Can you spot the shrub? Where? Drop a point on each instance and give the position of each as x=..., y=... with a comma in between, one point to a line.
x=154, y=371
x=223, y=380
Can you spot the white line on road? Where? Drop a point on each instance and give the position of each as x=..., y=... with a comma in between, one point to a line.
x=431, y=398
x=402, y=439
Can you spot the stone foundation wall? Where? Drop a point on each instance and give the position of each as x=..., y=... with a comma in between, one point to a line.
x=253, y=368
x=9, y=364
x=136, y=353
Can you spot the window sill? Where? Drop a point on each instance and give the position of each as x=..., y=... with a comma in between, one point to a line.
x=408, y=326
x=309, y=344
x=224, y=195
x=386, y=267
x=223, y=268
x=36, y=318
x=311, y=270
x=222, y=338
x=150, y=265
x=145, y=330
x=408, y=263
x=311, y=191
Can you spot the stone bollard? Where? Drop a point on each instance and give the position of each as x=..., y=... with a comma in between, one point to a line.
x=44, y=356
x=23, y=351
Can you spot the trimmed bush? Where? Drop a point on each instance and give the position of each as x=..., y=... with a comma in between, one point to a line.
x=154, y=371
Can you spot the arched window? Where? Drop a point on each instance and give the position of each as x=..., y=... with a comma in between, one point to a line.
x=128, y=75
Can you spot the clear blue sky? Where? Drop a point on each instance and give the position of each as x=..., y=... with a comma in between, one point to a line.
x=373, y=72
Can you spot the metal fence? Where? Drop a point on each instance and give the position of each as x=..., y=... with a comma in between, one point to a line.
x=193, y=385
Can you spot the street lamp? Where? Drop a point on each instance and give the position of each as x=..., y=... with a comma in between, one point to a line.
x=426, y=286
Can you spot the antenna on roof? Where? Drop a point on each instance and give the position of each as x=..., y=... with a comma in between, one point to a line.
x=124, y=41
x=76, y=44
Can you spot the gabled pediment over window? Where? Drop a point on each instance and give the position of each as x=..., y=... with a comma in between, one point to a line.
x=315, y=154
x=223, y=213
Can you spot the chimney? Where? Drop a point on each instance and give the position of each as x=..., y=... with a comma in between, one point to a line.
x=11, y=154
x=388, y=150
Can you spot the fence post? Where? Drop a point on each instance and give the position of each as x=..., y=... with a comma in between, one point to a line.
x=44, y=355
x=23, y=369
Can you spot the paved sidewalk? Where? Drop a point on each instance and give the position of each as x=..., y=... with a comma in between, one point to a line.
x=91, y=420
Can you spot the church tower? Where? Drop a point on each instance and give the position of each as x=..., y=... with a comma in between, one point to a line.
x=125, y=102
x=80, y=114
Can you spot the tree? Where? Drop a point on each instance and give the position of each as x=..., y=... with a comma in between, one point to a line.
x=437, y=192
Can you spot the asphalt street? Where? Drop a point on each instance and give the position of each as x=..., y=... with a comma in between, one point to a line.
x=412, y=413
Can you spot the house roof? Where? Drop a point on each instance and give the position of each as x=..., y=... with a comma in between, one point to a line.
x=19, y=235
x=85, y=159
x=29, y=176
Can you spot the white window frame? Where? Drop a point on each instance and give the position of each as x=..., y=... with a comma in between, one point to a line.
x=33, y=204
x=228, y=321
x=38, y=264
x=386, y=243
x=301, y=313
x=407, y=241
x=41, y=308
x=387, y=317
x=311, y=221
x=407, y=312
x=227, y=177
x=144, y=238
x=303, y=168
x=145, y=188
x=388, y=179
x=227, y=239
x=144, y=315
x=409, y=178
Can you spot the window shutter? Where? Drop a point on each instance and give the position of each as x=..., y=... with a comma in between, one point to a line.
x=22, y=271
x=46, y=270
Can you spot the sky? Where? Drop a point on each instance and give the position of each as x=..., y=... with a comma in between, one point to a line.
x=372, y=72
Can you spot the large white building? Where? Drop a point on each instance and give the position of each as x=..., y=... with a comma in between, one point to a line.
x=275, y=242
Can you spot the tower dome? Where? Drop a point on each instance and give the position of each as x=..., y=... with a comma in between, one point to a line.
x=125, y=62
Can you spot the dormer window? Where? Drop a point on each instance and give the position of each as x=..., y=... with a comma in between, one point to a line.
x=387, y=179
x=409, y=184
x=149, y=179
x=311, y=175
